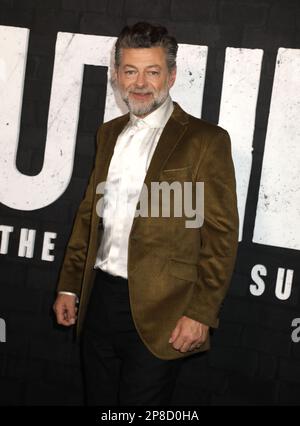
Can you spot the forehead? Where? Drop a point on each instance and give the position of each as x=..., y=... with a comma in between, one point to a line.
x=143, y=56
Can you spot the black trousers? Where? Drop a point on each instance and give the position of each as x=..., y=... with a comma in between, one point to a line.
x=118, y=367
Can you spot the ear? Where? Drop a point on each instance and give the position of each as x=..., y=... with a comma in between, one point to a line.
x=172, y=76
x=115, y=71
x=114, y=77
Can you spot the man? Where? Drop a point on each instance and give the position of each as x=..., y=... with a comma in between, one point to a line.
x=149, y=286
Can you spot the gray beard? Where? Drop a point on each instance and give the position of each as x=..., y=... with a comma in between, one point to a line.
x=140, y=109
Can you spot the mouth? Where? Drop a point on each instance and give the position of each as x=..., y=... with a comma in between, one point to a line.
x=141, y=96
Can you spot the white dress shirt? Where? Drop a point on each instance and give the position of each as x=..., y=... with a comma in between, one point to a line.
x=127, y=170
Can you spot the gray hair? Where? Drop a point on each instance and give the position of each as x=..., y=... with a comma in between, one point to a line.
x=144, y=35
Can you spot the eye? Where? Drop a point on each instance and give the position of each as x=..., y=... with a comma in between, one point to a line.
x=129, y=72
x=153, y=73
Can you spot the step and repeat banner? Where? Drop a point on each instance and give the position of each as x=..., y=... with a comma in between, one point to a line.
x=239, y=67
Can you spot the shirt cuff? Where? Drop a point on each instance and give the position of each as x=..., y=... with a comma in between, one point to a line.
x=70, y=294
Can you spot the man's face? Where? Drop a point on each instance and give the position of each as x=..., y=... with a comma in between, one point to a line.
x=144, y=79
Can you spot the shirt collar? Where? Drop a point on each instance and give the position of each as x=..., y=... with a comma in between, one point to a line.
x=156, y=119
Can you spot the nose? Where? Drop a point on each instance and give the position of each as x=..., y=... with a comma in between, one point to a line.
x=140, y=80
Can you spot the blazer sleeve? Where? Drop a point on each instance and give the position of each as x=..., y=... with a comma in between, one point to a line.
x=72, y=269
x=218, y=233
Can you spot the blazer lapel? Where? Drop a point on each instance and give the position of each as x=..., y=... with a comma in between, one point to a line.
x=107, y=148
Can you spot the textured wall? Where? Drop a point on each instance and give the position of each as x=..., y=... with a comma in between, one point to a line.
x=254, y=92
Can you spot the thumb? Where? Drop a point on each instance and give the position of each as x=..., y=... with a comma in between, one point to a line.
x=175, y=334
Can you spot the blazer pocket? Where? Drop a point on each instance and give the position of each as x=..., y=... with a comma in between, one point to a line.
x=182, y=174
x=183, y=270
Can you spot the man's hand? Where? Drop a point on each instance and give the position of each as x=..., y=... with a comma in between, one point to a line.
x=188, y=334
x=65, y=309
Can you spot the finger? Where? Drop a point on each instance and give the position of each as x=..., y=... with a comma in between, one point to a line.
x=63, y=316
x=69, y=315
x=70, y=311
x=194, y=346
x=185, y=347
x=179, y=342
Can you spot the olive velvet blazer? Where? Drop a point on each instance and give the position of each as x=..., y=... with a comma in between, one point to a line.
x=172, y=270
